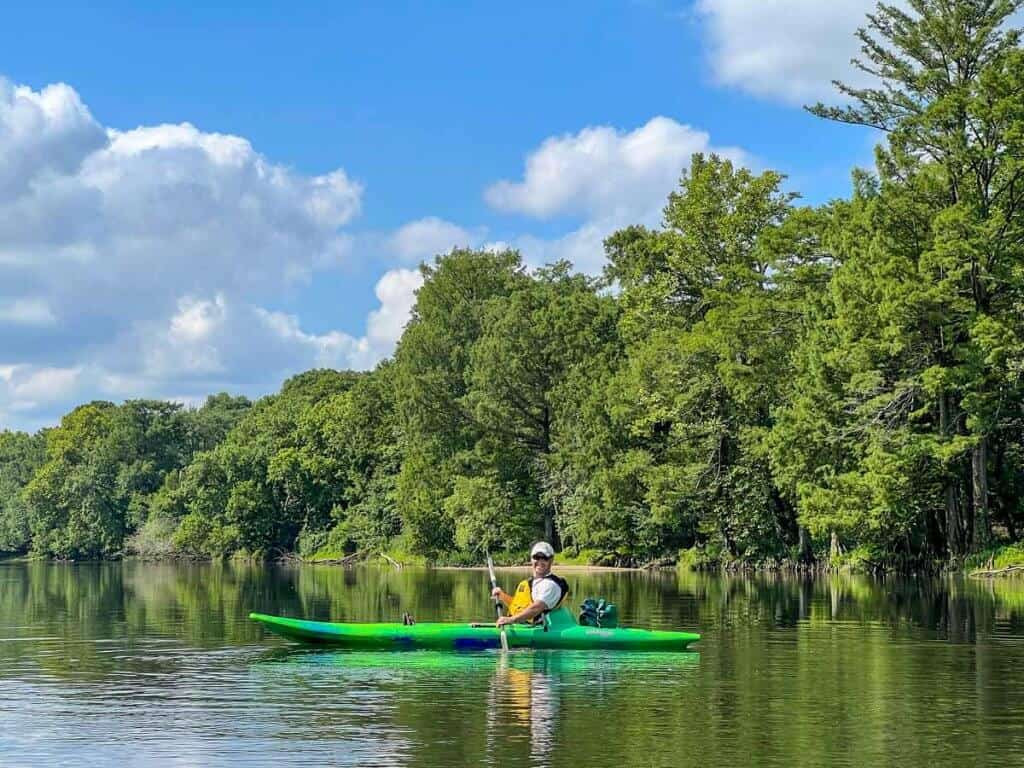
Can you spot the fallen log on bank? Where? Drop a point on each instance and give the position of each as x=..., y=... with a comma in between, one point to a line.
x=1009, y=570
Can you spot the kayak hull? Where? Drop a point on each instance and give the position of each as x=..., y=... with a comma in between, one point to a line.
x=466, y=637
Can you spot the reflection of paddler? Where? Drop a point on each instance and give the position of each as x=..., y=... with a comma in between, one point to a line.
x=535, y=596
x=526, y=699
x=516, y=683
x=543, y=716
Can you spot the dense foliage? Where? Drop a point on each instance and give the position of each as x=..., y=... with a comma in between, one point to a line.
x=754, y=380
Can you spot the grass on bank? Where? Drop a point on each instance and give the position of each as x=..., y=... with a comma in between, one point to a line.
x=998, y=558
x=863, y=559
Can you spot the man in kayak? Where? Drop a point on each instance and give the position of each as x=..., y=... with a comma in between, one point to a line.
x=536, y=596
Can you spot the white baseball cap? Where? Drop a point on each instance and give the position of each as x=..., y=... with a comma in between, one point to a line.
x=542, y=548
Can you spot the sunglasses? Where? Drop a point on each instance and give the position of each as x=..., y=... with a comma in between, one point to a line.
x=541, y=557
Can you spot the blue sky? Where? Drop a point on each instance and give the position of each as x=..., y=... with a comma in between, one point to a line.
x=330, y=146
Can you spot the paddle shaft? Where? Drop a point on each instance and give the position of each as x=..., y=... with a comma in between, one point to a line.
x=497, y=602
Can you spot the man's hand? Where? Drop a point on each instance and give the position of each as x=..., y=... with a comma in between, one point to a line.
x=497, y=592
x=503, y=620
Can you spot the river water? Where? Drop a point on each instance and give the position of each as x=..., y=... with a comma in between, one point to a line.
x=143, y=664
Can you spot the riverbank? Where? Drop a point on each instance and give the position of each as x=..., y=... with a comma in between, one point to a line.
x=998, y=562
x=1002, y=561
x=526, y=568
x=502, y=562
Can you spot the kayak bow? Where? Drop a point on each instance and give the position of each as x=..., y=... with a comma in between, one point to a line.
x=562, y=632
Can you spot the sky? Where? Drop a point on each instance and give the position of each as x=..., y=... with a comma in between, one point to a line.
x=205, y=197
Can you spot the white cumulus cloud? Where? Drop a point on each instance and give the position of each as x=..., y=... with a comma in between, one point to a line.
x=602, y=171
x=396, y=292
x=427, y=237
x=27, y=310
x=787, y=50
x=107, y=226
x=583, y=246
x=138, y=263
x=25, y=387
x=212, y=340
x=605, y=176
x=207, y=344
x=44, y=134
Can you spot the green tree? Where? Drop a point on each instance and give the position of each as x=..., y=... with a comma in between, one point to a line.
x=147, y=439
x=710, y=309
x=351, y=450
x=531, y=343
x=253, y=492
x=73, y=496
x=208, y=425
x=947, y=241
x=103, y=466
x=21, y=455
x=432, y=370
x=851, y=445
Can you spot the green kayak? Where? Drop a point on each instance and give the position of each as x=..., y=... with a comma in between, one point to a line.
x=562, y=632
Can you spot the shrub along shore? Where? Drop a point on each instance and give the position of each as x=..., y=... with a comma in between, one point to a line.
x=754, y=383
x=999, y=562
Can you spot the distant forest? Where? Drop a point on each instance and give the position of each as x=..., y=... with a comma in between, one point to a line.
x=754, y=382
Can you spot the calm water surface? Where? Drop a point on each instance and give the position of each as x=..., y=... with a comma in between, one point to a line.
x=142, y=664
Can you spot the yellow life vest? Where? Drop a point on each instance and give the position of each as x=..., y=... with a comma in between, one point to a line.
x=523, y=598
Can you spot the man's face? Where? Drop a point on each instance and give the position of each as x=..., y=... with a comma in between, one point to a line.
x=541, y=566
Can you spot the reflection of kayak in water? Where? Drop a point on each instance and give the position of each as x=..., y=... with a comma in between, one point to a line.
x=561, y=632
x=430, y=664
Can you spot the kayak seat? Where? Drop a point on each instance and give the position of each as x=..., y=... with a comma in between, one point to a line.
x=559, y=619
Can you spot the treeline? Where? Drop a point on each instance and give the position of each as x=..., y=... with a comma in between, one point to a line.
x=753, y=381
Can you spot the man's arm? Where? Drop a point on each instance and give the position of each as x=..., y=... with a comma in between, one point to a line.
x=534, y=609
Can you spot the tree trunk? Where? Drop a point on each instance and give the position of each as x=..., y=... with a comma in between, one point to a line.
x=979, y=482
x=835, y=548
x=967, y=508
x=550, y=535
x=954, y=536
x=953, y=548
x=1003, y=491
x=804, y=546
x=934, y=533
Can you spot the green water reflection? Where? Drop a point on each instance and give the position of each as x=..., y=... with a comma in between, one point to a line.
x=96, y=660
